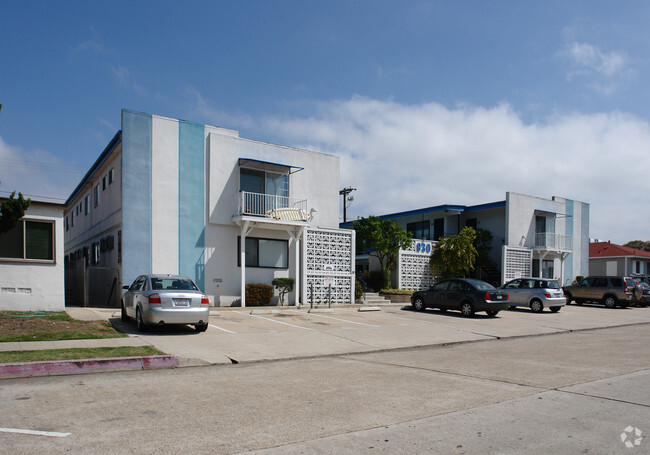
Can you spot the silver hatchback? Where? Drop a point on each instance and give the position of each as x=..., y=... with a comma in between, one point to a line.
x=165, y=299
x=536, y=294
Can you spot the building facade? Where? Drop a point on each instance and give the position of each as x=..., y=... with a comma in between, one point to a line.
x=607, y=258
x=531, y=236
x=32, y=260
x=171, y=196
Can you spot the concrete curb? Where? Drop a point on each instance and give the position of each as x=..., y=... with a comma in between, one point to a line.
x=78, y=366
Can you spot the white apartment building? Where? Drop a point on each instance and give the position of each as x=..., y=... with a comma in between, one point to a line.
x=171, y=196
x=531, y=236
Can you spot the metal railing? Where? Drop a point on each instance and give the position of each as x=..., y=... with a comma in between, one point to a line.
x=272, y=206
x=552, y=240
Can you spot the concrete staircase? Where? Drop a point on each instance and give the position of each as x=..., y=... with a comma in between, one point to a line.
x=373, y=298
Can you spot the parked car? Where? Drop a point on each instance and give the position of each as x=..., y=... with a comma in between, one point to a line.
x=466, y=295
x=535, y=293
x=165, y=299
x=609, y=290
x=642, y=299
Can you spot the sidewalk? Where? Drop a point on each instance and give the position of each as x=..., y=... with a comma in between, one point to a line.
x=258, y=334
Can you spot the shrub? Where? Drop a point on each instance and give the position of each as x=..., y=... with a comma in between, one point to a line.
x=284, y=286
x=258, y=294
x=396, y=291
x=358, y=290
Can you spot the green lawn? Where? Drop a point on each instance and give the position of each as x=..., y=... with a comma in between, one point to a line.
x=77, y=353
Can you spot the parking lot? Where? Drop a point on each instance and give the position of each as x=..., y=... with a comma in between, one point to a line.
x=249, y=335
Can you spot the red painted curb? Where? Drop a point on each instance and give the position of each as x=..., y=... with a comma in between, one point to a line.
x=55, y=367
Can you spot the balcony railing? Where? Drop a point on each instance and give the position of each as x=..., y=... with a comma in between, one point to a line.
x=272, y=206
x=552, y=240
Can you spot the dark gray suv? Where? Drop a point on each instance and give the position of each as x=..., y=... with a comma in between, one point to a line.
x=609, y=290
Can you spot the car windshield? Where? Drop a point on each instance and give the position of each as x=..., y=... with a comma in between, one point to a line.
x=481, y=285
x=176, y=284
x=644, y=285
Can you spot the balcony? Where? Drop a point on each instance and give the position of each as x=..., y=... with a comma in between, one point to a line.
x=273, y=207
x=553, y=241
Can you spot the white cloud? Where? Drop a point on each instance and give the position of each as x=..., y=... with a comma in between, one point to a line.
x=403, y=157
x=602, y=70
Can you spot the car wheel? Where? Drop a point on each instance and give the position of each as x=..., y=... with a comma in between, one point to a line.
x=492, y=313
x=536, y=306
x=124, y=316
x=609, y=301
x=201, y=327
x=467, y=309
x=568, y=298
x=418, y=304
x=555, y=309
x=139, y=322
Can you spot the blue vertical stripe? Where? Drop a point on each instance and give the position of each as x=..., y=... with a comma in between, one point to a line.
x=136, y=195
x=570, y=220
x=191, y=201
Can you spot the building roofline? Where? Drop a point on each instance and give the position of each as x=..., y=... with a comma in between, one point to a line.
x=438, y=208
x=112, y=145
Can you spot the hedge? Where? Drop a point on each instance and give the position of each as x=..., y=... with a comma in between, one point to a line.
x=258, y=294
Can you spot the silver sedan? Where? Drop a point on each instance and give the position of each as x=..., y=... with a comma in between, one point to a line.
x=536, y=294
x=165, y=299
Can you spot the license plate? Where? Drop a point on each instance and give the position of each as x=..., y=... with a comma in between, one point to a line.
x=181, y=302
x=499, y=297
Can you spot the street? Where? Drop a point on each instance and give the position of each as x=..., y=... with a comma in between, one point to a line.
x=572, y=392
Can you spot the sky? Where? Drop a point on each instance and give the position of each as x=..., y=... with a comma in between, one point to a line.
x=425, y=102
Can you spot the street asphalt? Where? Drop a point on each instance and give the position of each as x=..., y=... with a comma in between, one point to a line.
x=249, y=335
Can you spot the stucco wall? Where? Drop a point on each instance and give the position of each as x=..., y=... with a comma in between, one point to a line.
x=30, y=286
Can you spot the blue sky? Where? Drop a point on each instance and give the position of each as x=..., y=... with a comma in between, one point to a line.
x=426, y=103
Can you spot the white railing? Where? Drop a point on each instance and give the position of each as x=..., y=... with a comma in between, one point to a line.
x=272, y=206
x=552, y=240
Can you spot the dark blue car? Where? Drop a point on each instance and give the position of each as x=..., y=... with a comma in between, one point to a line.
x=463, y=294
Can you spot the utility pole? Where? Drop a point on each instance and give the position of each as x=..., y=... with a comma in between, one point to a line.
x=347, y=200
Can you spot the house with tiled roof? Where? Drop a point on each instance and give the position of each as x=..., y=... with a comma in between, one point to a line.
x=607, y=258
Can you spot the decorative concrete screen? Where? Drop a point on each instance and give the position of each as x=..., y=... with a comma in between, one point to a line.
x=413, y=269
x=517, y=262
x=328, y=258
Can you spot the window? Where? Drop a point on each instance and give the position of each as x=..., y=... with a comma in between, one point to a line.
x=87, y=205
x=438, y=228
x=420, y=230
x=111, y=176
x=471, y=222
x=636, y=267
x=96, y=196
x=104, y=183
x=28, y=240
x=254, y=181
x=269, y=253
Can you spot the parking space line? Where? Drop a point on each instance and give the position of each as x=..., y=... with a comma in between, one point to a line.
x=403, y=319
x=221, y=328
x=273, y=320
x=342, y=320
x=35, y=432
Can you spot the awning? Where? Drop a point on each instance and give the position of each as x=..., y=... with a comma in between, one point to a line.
x=263, y=165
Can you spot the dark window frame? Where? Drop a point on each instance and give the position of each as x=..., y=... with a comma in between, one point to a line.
x=23, y=228
x=257, y=255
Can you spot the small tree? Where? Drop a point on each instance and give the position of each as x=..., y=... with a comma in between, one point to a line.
x=382, y=239
x=12, y=210
x=638, y=245
x=454, y=256
x=284, y=286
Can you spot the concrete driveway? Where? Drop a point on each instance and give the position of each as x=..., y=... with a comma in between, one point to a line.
x=250, y=335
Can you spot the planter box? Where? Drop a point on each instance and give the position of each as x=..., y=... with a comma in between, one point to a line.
x=397, y=298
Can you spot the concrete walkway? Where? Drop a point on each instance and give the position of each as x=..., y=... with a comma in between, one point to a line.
x=239, y=335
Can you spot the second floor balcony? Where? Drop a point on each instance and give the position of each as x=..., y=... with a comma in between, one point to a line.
x=553, y=241
x=273, y=207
